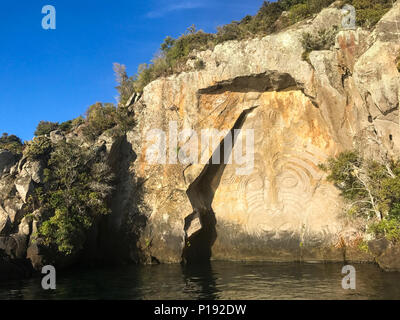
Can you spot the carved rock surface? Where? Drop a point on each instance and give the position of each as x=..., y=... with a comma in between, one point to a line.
x=301, y=114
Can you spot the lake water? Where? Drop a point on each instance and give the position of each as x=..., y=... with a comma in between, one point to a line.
x=220, y=280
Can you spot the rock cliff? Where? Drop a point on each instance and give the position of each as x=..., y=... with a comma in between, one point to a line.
x=301, y=113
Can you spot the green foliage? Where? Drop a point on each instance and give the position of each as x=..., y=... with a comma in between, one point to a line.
x=102, y=117
x=77, y=184
x=369, y=12
x=388, y=228
x=125, y=83
x=45, y=127
x=99, y=118
x=124, y=119
x=11, y=143
x=184, y=45
x=66, y=126
x=371, y=190
x=70, y=125
x=300, y=10
x=38, y=147
x=363, y=246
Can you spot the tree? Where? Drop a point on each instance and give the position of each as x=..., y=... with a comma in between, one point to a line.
x=99, y=118
x=45, y=127
x=11, y=143
x=78, y=182
x=371, y=190
x=125, y=83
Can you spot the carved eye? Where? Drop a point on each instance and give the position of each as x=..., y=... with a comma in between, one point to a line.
x=288, y=181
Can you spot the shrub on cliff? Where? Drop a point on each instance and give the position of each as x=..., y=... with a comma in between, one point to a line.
x=104, y=117
x=369, y=12
x=370, y=189
x=77, y=184
x=99, y=118
x=321, y=40
x=11, y=143
x=38, y=147
x=45, y=127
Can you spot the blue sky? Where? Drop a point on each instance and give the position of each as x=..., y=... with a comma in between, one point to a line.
x=55, y=75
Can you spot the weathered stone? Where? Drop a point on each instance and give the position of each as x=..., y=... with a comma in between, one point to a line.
x=387, y=254
x=7, y=160
x=25, y=226
x=13, y=206
x=4, y=221
x=56, y=136
x=35, y=255
x=24, y=187
x=192, y=224
x=34, y=169
x=9, y=245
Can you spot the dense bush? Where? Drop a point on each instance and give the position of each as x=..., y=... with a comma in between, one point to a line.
x=321, y=40
x=38, y=147
x=77, y=184
x=369, y=12
x=11, y=143
x=45, y=127
x=370, y=189
x=99, y=118
x=103, y=117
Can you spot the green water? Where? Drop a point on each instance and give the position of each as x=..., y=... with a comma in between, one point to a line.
x=220, y=280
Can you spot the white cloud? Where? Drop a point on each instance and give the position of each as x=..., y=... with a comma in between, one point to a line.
x=183, y=5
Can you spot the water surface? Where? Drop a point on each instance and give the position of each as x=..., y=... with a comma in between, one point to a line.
x=220, y=280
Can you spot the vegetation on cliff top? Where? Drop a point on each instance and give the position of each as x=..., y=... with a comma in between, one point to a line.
x=11, y=143
x=371, y=190
x=271, y=17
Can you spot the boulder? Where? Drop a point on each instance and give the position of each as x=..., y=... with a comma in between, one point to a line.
x=56, y=136
x=387, y=254
x=34, y=169
x=24, y=186
x=13, y=207
x=35, y=255
x=7, y=160
x=4, y=221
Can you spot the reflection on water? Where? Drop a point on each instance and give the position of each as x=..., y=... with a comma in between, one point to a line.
x=219, y=280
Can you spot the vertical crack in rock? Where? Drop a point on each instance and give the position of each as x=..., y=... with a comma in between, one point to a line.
x=200, y=225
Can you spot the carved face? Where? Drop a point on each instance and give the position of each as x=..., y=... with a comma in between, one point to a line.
x=286, y=190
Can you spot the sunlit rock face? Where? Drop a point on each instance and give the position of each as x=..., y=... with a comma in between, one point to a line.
x=284, y=201
x=301, y=113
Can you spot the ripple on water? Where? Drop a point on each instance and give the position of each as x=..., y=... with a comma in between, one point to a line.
x=220, y=280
